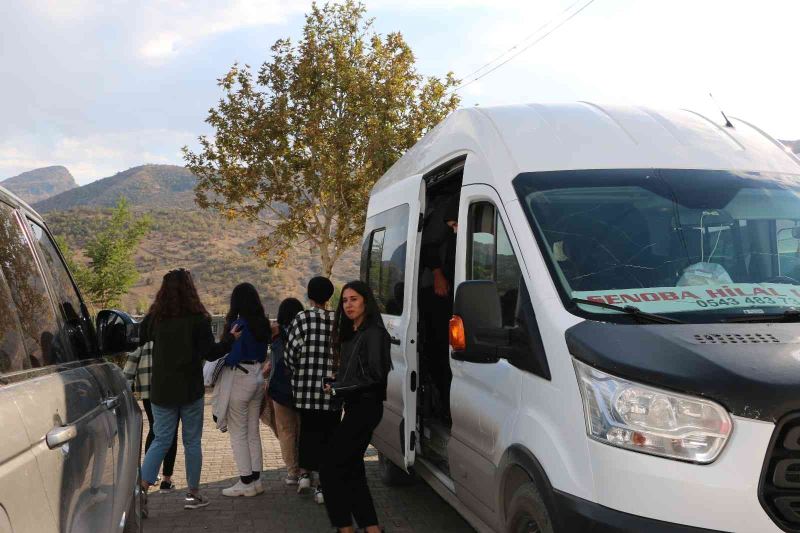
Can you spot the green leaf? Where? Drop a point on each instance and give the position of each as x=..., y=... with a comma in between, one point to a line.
x=299, y=143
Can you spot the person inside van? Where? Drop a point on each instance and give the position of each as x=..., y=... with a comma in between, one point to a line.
x=180, y=329
x=362, y=360
x=310, y=359
x=438, y=257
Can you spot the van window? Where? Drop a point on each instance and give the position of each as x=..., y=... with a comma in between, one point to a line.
x=375, y=260
x=68, y=301
x=491, y=257
x=41, y=335
x=12, y=352
x=707, y=245
x=383, y=258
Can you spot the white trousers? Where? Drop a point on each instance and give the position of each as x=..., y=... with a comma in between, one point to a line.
x=243, y=422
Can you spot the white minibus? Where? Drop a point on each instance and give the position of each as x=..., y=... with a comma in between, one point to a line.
x=595, y=320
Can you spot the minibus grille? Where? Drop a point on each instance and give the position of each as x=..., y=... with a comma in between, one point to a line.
x=736, y=338
x=779, y=488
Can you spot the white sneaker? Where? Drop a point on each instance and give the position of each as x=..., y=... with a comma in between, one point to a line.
x=318, y=497
x=240, y=489
x=303, y=483
x=259, y=486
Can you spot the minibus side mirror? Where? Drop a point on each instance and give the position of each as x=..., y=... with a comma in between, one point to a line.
x=477, y=333
x=117, y=332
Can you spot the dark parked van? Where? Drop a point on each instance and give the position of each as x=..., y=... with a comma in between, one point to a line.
x=69, y=454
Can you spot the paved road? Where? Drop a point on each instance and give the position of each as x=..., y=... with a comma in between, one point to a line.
x=416, y=508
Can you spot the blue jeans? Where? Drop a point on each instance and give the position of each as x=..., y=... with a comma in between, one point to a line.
x=165, y=425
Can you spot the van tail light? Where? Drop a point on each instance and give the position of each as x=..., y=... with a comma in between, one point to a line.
x=458, y=339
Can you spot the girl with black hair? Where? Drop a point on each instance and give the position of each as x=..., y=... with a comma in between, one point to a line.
x=287, y=419
x=245, y=338
x=362, y=361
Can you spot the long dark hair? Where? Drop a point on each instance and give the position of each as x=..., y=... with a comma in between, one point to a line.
x=246, y=304
x=177, y=297
x=343, y=326
x=287, y=310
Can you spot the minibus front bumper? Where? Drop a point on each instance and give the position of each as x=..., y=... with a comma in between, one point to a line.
x=577, y=514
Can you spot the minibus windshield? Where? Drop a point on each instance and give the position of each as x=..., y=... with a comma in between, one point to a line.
x=705, y=245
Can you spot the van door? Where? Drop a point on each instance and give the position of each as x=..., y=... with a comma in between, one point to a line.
x=389, y=264
x=484, y=397
x=120, y=416
x=23, y=503
x=66, y=417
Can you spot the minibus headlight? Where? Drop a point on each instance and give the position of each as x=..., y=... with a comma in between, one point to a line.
x=645, y=419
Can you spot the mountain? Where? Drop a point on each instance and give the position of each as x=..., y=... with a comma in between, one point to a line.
x=794, y=146
x=40, y=184
x=216, y=251
x=156, y=186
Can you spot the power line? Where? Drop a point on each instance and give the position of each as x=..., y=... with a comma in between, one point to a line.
x=532, y=34
x=534, y=43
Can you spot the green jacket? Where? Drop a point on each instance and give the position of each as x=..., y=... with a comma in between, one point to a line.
x=179, y=347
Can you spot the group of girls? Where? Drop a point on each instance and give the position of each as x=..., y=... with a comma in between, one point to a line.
x=350, y=345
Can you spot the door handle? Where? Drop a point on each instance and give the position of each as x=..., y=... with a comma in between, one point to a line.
x=394, y=340
x=60, y=435
x=110, y=403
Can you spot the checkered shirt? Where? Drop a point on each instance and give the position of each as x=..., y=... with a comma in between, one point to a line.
x=138, y=369
x=309, y=355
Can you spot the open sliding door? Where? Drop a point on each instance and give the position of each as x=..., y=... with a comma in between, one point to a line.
x=390, y=264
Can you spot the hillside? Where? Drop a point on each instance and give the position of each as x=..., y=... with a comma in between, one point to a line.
x=216, y=251
x=156, y=186
x=40, y=184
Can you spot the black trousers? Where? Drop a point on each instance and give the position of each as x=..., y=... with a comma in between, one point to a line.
x=316, y=429
x=169, y=460
x=343, y=475
x=436, y=314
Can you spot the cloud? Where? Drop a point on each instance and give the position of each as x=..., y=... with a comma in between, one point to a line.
x=101, y=86
x=665, y=53
x=94, y=156
x=173, y=26
x=65, y=11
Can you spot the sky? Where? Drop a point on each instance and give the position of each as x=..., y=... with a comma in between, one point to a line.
x=100, y=87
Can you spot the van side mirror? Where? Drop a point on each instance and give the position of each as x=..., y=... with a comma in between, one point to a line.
x=117, y=332
x=484, y=337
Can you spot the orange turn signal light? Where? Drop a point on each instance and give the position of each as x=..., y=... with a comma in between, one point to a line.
x=458, y=339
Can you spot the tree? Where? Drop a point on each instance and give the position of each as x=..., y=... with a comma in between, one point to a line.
x=298, y=145
x=111, y=271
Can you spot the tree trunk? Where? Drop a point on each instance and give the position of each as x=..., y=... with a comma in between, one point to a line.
x=325, y=259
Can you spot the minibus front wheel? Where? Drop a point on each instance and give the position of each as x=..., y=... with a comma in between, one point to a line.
x=527, y=512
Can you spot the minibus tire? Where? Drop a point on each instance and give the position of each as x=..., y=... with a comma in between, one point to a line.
x=391, y=474
x=527, y=512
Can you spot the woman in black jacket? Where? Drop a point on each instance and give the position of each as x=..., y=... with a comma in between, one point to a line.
x=180, y=328
x=362, y=359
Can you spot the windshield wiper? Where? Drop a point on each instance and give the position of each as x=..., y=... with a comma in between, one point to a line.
x=631, y=310
x=790, y=315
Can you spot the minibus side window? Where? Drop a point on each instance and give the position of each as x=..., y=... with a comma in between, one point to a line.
x=492, y=258
x=383, y=258
x=374, y=261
